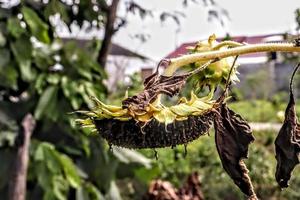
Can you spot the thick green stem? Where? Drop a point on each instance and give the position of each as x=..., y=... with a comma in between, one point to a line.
x=176, y=63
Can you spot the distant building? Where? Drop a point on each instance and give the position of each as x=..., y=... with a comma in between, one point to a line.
x=122, y=63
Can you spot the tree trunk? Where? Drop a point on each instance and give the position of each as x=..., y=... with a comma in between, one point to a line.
x=17, y=185
x=109, y=31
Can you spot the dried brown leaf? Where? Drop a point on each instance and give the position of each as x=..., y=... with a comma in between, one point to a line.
x=233, y=136
x=157, y=84
x=287, y=143
x=164, y=190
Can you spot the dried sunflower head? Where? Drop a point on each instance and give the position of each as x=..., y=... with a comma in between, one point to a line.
x=156, y=126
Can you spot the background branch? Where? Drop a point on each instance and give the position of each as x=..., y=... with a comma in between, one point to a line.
x=109, y=31
x=17, y=186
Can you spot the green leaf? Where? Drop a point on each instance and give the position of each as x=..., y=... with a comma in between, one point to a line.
x=38, y=28
x=43, y=56
x=131, y=156
x=2, y=39
x=40, y=82
x=52, y=161
x=22, y=50
x=91, y=89
x=39, y=153
x=72, y=150
x=8, y=129
x=113, y=193
x=4, y=58
x=147, y=175
x=76, y=102
x=54, y=7
x=67, y=86
x=84, y=72
x=48, y=195
x=47, y=103
x=88, y=191
x=14, y=27
x=9, y=76
x=53, y=79
x=44, y=178
x=60, y=187
x=70, y=171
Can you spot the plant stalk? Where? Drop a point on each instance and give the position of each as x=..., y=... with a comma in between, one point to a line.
x=176, y=63
x=17, y=185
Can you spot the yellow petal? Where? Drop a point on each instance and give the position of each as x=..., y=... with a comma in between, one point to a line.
x=193, y=98
x=144, y=118
x=123, y=118
x=183, y=100
x=139, y=112
x=183, y=109
x=201, y=105
x=118, y=113
x=165, y=116
x=84, y=122
x=154, y=108
x=87, y=113
x=100, y=104
x=101, y=114
x=180, y=118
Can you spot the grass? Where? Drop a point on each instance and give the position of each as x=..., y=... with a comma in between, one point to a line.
x=261, y=110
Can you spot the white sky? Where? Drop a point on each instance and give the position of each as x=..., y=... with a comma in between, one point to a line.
x=248, y=17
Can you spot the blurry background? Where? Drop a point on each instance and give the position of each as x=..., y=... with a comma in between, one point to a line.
x=54, y=54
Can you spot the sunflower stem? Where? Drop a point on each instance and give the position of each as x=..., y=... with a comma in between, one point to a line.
x=176, y=63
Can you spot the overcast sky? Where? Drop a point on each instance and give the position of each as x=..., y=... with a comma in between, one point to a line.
x=247, y=17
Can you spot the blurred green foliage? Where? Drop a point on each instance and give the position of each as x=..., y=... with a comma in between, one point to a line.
x=262, y=110
x=50, y=78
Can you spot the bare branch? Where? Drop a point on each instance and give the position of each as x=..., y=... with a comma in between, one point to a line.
x=109, y=31
x=17, y=185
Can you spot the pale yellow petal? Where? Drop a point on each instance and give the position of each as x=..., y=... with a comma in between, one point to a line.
x=165, y=116
x=183, y=109
x=200, y=105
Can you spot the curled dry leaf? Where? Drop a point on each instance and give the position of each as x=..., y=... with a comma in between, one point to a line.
x=287, y=143
x=233, y=136
x=157, y=84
